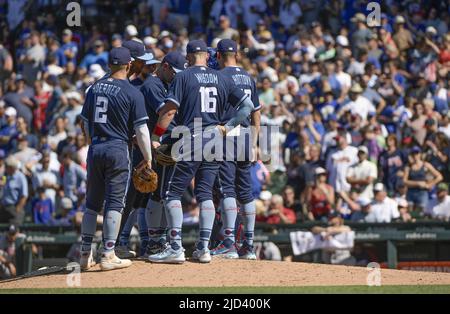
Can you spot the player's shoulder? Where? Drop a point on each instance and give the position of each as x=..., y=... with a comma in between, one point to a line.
x=234, y=70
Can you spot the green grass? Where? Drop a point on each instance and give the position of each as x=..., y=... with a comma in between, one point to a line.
x=236, y=290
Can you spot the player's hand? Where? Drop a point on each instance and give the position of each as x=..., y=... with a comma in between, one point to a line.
x=148, y=163
x=155, y=144
x=222, y=130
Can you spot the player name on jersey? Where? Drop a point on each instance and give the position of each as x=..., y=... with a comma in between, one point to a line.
x=104, y=88
x=207, y=78
x=241, y=79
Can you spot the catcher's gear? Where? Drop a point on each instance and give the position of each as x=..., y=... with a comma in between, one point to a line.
x=163, y=155
x=145, y=179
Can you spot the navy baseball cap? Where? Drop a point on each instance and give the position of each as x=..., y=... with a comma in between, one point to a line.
x=416, y=150
x=227, y=45
x=196, y=46
x=119, y=56
x=176, y=60
x=137, y=50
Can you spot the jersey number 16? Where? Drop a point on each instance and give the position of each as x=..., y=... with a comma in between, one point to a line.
x=208, y=99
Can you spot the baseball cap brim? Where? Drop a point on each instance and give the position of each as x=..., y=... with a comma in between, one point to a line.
x=152, y=61
x=176, y=70
x=146, y=56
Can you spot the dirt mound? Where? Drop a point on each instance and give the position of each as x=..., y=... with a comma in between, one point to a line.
x=231, y=273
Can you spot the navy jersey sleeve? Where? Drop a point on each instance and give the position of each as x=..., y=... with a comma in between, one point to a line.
x=255, y=98
x=86, y=111
x=138, y=112
x=154, y=95
x=175, y=93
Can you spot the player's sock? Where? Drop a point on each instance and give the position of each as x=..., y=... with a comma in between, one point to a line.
x=163, y=228
x=154, y=213
x=174, y=214
x=111, y=226
x=126, y=231
x=249, y=216
x=88, y=227
x=207, y=215
x=142, y=226
x=229, y=211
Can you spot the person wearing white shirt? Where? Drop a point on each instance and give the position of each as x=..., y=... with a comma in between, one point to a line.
x=339, y=162
x=445, y=126
x=383, y=208
x=439, y=208
x=362, y=175
x=358, y=104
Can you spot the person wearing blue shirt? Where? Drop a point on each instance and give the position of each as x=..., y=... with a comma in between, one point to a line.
x=43, y=209
x=15, y=194
x=68, y=50
x=99, y=56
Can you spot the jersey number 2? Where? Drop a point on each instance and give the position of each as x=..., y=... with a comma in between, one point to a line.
x=101, y=107
x=208, y=97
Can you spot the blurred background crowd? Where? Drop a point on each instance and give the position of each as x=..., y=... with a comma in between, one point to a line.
x=363, y=111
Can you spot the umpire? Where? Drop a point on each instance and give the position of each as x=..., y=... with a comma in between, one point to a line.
x=112, y=112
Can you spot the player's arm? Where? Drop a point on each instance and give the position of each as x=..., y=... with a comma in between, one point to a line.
x=166, y=115
x=140, y=118
x=85, y=114
x=245, y=108
x=168, y=109
x=255, y=118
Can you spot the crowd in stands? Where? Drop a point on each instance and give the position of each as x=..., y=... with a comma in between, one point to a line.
x=363, y=110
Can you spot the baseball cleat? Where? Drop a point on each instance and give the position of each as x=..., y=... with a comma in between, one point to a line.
x=169, y=256
x=246, y=252
x=110, y=261
x=124, y=251
x=152, y=250
x=224, y=252
x=86, y=260
x=203, y=255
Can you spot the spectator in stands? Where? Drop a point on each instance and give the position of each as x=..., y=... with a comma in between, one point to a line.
x=43, y=208
x=73, y=175
x=383, y=208
x=46, y=178
x=278, y=214
x=33, y=57
x=8, y=252
x=416, y=179
x=19, y=97
x=98, y=56
x=8, y=131
x=320, y=200
x=364, y=209
x=391, y=162
x=439, y=208
x=363, y=174
x=340, y=161
x=292, y=203
x=15, y=194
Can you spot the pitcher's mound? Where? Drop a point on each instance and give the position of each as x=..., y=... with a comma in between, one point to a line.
x=231, y=273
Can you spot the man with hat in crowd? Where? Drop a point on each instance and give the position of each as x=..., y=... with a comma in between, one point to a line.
x=402, y=36
x=363, y=174
x=16, y=99
x=68, y=50
x=439, y=208
x=339, y=162
x=357, y=104
x=9, y=130
x=99, y=56
x=15, y=194
x=383, y=208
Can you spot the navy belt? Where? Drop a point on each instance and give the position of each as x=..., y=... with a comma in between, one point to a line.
x=104, y=139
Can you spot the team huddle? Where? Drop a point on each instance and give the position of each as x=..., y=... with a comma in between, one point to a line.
x=130, y=117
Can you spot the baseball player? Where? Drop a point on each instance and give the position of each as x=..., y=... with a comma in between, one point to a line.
x=143, y=64
x=113, y=111
x=234, y=178
x=154, y=90
x=197, y=93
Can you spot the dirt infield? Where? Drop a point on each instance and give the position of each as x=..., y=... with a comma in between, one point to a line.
x=226, y=273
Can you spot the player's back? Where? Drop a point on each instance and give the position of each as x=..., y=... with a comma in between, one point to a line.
x=241, y=79
x=110, y=108
x=200, y=92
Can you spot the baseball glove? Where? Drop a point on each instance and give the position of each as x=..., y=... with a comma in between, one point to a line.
x=145, y=179
x=163, y=155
